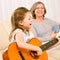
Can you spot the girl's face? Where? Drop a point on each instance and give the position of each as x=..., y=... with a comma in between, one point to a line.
x=39, y=11
x=26, y=23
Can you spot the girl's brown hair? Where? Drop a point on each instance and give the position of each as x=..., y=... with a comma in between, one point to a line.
x=34, y=7
x=18, y=15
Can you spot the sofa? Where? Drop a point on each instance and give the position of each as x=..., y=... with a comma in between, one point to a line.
x=4, y=33
x=5, y=28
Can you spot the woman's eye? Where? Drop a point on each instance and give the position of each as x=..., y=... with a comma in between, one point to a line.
x=37, y=8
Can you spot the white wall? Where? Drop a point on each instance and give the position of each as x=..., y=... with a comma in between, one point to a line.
x=8, y=6
x=53, y=10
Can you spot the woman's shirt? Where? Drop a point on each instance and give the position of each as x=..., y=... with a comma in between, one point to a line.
x=44, y=29
x=26, y=36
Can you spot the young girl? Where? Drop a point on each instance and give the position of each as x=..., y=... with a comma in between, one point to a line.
x=21, y=23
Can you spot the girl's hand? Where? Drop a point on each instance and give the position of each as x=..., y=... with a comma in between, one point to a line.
x=39, y=51
x=36, y=53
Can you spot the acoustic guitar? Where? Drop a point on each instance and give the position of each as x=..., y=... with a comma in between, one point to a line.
x=15, y=53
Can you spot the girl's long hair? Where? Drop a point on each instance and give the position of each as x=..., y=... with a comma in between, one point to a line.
x=18, y=15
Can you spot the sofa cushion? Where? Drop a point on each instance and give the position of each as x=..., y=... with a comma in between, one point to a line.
x=5, y=27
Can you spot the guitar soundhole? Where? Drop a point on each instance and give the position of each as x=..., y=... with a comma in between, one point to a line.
x=33, y=54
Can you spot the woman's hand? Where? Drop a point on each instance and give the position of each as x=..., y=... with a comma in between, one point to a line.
x=58, y=37
x=53, y=35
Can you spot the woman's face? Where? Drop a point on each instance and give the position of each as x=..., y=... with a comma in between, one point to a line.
x=39, y=11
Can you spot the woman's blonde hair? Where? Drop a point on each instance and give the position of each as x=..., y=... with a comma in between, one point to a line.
x=18, y=15
x=34, y=7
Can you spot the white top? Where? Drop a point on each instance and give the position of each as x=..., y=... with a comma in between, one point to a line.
x=26, y=36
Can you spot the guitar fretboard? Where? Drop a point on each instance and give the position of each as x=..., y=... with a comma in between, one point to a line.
x=48, y=44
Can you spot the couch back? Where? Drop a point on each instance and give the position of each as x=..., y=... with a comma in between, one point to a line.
x=5, y=27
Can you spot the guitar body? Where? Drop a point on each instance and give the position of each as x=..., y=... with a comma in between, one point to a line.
x=13, y=52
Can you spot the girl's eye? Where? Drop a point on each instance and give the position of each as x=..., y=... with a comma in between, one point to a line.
x=29, y=19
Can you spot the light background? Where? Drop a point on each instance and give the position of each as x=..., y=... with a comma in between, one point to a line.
x=8, y=6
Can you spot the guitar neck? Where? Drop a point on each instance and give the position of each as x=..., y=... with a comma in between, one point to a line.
x=48, y=44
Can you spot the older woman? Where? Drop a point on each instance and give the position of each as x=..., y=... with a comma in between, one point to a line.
x=42, y=25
